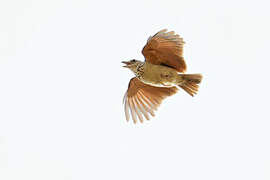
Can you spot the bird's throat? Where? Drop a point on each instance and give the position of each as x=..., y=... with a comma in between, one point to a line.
x=139, y=71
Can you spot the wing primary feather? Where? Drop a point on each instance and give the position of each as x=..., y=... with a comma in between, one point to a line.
x=127, y=110
x=152, y=98
x=141, y=108
x=137, y=111
x=124, y=98
x=162, y=31
x=146, y=99
x=145, y=105
x=134, y=117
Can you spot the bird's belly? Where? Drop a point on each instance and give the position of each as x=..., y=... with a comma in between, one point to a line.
x=159, y=79
x=158, y=84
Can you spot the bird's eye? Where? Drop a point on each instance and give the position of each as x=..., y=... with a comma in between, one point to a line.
x=133, y=60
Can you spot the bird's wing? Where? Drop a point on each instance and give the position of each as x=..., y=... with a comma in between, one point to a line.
x=142, y=99
x=165, y=48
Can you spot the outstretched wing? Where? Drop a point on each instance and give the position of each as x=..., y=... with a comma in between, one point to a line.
x=165, y=48
x=142, y=99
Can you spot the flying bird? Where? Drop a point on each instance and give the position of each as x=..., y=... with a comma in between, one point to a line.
x=158, y=77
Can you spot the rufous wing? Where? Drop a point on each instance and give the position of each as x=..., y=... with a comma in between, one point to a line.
x=142, y=99
x=165, y=48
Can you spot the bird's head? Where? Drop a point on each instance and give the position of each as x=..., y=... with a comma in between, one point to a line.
x=132, y=64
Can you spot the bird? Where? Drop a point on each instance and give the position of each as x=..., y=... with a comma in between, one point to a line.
x=161, y=75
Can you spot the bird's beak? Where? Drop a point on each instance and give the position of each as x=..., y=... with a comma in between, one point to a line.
x=127, y=63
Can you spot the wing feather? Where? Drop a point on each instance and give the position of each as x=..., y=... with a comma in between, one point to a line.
x=141, y=108
x=142, y=99
x=165, y=48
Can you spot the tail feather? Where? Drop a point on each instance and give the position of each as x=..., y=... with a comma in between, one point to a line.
x=190, y=83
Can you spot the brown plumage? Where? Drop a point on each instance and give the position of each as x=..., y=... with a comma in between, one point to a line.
x=165, y=48
x=157, y=77
x=144, y=98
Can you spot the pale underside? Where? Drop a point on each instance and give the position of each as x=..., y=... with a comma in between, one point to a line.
x=159, y=76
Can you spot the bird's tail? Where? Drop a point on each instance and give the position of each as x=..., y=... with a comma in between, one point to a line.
x=189, y=82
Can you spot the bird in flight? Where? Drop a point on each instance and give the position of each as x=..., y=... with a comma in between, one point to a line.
x=158, y=77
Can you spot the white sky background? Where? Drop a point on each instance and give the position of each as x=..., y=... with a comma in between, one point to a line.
x=62, y=84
